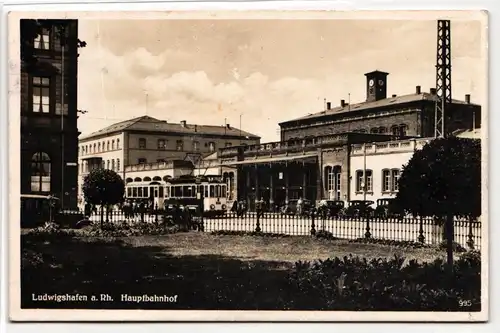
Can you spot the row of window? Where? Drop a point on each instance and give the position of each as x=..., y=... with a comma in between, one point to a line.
x=396, y=130
x=99, y=147
x=109, y=164
x=179, y=146
x=390, y=180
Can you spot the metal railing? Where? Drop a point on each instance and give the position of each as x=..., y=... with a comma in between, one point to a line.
x=425, y=230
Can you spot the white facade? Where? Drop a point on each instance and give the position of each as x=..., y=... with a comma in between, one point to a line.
x=106, y=150
x=383, y=163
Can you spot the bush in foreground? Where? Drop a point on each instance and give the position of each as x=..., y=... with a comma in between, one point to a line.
x=247, y=233
x=353, y=283
x=405, y=244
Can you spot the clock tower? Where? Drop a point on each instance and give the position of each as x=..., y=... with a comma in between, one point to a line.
x=376, y=86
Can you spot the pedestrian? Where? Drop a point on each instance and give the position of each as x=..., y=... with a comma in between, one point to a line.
x=300, y=206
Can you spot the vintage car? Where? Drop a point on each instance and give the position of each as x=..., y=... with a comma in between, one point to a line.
x=330, y=208
x=357, y=209
x=291, y=207
x=387, y=208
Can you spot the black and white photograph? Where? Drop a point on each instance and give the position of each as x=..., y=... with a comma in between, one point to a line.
x=271, y=166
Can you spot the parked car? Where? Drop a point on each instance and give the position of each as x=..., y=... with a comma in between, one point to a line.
x=358, y=208
x=387, y=208
x=330, y=208
x=291, y=207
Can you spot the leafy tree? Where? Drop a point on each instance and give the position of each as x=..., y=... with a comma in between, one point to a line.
x=30, y=29
x=103, y=187
x=443, y=180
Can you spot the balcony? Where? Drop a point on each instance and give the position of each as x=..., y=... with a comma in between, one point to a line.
x=392, y=147
x=300, y=145
x=159, y=165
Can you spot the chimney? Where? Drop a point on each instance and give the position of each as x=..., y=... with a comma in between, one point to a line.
x=418, y=90
x=394, y=95
x=328, y=105
x=196, y=128
x=433, y=91
x=467, y=98
x=228, y=126
x=183, y=123
x=342, y=103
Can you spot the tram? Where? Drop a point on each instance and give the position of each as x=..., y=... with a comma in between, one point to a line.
x=151, y=191
x=207, y=194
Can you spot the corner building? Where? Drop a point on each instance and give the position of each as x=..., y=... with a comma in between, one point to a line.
x=49, y=133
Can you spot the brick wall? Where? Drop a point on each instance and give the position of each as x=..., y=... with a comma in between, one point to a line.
x=410, y=119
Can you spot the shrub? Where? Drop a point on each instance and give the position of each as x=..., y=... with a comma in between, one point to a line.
x=405, y=244
x=49, y=232
x=247, y=233
x=354, y=284
x=456, y=247
x=325, y=235
x=108, y=229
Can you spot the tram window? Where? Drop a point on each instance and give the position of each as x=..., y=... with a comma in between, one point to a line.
x=224, y=191
x=193, y=191
x=160, y=191
x=129, y=192
x=155, y=192
x=206, y=191
x=139, y=192
x=212, y=194
x=177, y=191
x=167, y=191
x=217, y=191
x=134, y=192
x=146, y=192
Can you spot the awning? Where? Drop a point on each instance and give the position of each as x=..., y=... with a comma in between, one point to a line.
x=277, y=159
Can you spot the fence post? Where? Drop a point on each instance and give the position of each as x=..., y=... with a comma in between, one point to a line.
x=313, y=227
x=257, y=227
x=421, y=237
x=470, y=240
x=368, y=233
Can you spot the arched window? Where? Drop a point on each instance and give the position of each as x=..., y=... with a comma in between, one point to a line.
x=382, y=130
x=113, y=164
x=99, y=147
x=95, y=148
x=107, y=164
x=117, y=143
x=403, y=128
x=117, y=164
x=395, y=130
x=40, y=172
x=113, y=144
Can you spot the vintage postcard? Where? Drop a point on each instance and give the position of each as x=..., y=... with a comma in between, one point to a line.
x=248, y=166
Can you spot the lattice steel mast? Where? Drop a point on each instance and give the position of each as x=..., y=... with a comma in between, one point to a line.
x=443, y=76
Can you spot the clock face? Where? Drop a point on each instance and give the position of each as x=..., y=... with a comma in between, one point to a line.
x=371, y=83
x=380, y=82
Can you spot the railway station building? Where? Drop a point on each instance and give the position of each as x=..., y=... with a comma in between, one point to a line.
x=324, y=155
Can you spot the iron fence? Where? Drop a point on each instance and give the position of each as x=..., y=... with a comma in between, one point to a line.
x=426, y=230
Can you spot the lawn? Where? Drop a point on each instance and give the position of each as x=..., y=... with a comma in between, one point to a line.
x=204, y=270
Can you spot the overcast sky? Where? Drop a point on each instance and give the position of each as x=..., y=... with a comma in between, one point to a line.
x=270, y=71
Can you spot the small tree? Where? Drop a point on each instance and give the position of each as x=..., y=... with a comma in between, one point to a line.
x=443, y=180
x=103, y=187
